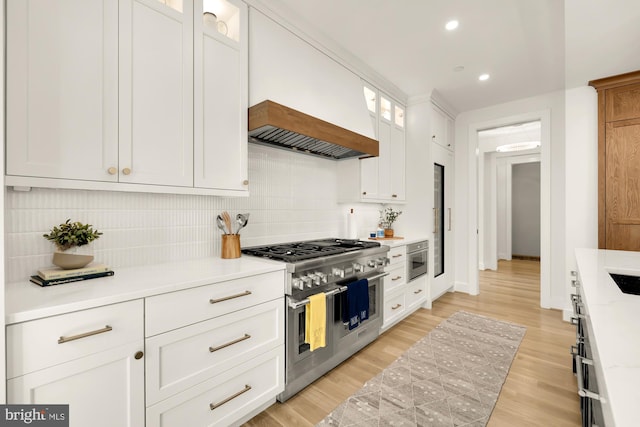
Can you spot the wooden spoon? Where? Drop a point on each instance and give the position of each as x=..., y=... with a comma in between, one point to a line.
x=227, y=221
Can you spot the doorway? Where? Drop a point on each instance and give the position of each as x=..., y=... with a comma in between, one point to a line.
x=486, y=225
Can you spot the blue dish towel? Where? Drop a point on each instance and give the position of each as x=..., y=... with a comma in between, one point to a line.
x=357, y=307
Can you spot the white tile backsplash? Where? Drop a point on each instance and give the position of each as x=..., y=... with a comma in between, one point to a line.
x=292, y=197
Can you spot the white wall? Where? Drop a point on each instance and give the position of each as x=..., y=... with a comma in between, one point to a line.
x=526, y=209
x=550, y=107
x=581, y=175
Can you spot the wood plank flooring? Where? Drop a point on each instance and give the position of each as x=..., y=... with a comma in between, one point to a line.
x=540, y=389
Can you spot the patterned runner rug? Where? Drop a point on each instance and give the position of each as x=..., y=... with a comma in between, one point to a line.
x=450, y=377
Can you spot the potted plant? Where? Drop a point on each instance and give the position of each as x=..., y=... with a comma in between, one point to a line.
x=387, y=217
x=71, y=240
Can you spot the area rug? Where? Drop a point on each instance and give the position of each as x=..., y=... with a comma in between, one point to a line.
x=450, y=377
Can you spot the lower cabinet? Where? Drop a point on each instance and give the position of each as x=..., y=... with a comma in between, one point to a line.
x=102, y=390
x=214, y=358
x=226, y=398
x=401, y=298
x=92, y=360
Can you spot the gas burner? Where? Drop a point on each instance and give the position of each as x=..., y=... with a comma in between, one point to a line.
x=305, y=250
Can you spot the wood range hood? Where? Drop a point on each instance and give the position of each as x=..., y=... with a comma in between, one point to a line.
x=278, y=126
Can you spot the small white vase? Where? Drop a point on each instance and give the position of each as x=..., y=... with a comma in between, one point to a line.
x=76, y=257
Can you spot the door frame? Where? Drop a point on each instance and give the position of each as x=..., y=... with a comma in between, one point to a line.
x=545, y=198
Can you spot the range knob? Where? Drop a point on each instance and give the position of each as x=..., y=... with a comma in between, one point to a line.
x=306, y=280
x=357, y=267
x=371, y=263
x=315, y=279
x=297, y=283
x=338, y=272
x=323, y=277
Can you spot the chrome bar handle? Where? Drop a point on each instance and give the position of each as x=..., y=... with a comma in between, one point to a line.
x=63, y=340
x=581, y=390
x=213, y=406
x=449, y=229
x=242, y=294
x=297, y=304
x=236, y=341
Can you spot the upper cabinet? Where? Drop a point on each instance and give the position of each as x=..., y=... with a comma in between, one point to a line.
x=221, y=74
x=442, y=128
x=62, y=89
x=110, y=95
x=378, y=179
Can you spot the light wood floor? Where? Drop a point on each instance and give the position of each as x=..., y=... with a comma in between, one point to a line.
x=540, y=389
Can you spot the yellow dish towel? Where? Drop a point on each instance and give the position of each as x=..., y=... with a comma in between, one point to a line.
x=315, y=329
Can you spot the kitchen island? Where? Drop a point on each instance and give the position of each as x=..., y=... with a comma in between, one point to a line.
x=613, y=319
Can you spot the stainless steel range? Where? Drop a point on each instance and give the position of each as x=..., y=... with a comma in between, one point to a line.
x=328, y=266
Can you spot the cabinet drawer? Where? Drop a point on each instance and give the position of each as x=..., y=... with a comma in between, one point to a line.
x=232, y=395
x=416, y=293
x=53, y=340
x=397, y=254
x=394, y=307
x=176, y=309
x=179, y=359
x=396, y=278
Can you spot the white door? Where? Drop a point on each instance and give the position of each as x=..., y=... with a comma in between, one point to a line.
x=62, y=89
x=105, y=389
x=156, y=92
x=442, y=271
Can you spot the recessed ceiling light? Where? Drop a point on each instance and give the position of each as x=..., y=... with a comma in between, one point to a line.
x=483, y=77
x=458, y=68
x=452, y=25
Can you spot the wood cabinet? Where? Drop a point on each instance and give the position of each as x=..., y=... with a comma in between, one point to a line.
x=91, y=360
x=618, y=171
x=379, y=179
x=135, y=95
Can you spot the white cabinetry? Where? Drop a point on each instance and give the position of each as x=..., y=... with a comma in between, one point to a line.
x=62, y=88
x=401, y=297
x=156, y=93
x=221, y=81
x=442, y=128
x=107, y=95
x=90, y=359
x=213, y=361
x=378, y=179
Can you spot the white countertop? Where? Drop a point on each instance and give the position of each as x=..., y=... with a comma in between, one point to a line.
x=614, y=318
x=27, y=301
x=406, y=240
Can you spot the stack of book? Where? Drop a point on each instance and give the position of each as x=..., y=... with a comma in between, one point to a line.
x=58, y=276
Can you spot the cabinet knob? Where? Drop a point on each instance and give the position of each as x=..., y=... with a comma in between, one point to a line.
x=394, y=195
x=112, y=170
x=245, y=182
x=139, y=355
x=126, y=171
x=364, y=193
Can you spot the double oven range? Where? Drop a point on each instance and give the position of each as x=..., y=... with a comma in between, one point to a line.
x=327, y=266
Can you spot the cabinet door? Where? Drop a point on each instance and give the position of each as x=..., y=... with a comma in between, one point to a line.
x=397, y=156
x=156, y=92
x=441, y=128
x=102, y=390
x=220, y=115
x=62, y=88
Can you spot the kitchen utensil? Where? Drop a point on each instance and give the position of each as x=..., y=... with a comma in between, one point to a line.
x=242, y=220
x=227, y=221
x=220, y=223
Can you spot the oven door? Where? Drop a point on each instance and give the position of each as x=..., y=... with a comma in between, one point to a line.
x=345, y=338
x=417, y=264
